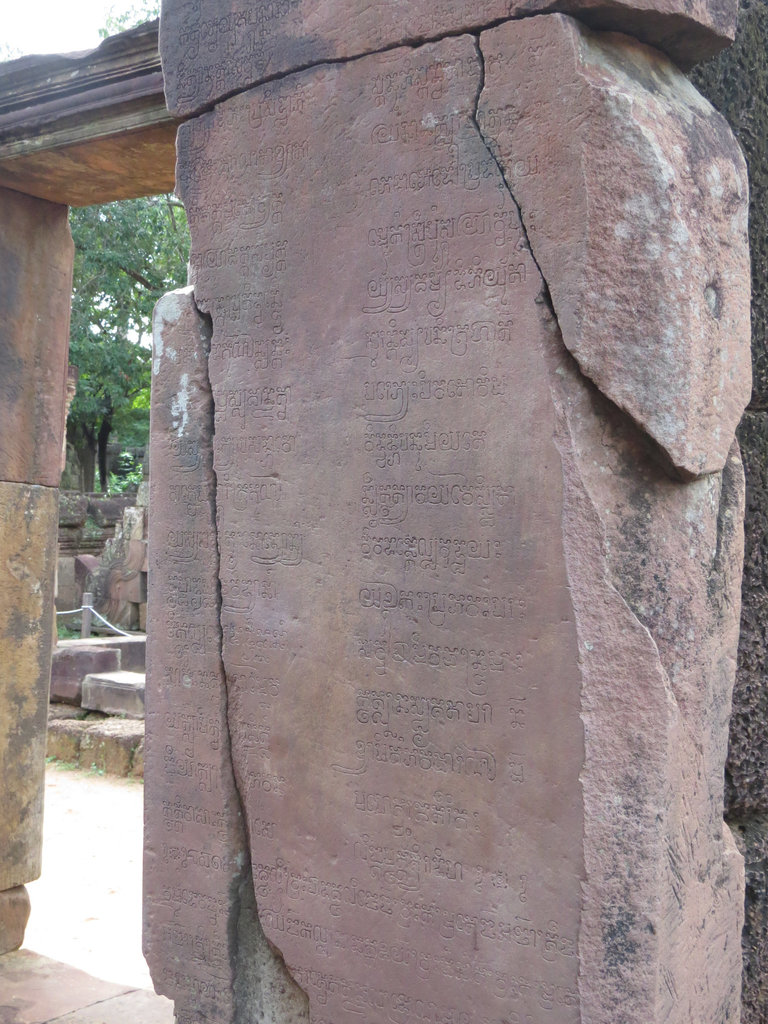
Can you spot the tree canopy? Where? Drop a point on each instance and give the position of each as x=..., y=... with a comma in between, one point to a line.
x=127, y=254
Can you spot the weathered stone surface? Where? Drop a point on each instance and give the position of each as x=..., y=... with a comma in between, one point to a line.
x=90, y=127
x=66, y=589
x=393, y=686
x=111, y=745
x=196, y=856
x=132, y=649
x=736, y=83
x=70, y=665
x=478, y=644
x=634, y=194
x=27, y=565
x=752, y=838
x=654, y=570
x=35, y=291
x=98, y=743
x=14, y=914
x=211, y=49
x=73, y=508
x=747, y=767
x=114, y=693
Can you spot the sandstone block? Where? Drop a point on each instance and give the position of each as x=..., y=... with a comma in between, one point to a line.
x=634, y=195
x=752, y=837
x=65, y=737
x=85, y=566
x=73, y=508
x=114, y=693
x=746, y=771
x=478, y=645
x=736, y=83
x=72, y=664
x=68, y=712
x=132, y=649
x=109, y=746
x=66, y=587
x=194, y=839
x=28, y=525
x=107, y=510
x=211, y=49
x=36, y=254
x=14, y=914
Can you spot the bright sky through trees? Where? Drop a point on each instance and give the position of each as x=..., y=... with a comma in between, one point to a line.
x=53, y=26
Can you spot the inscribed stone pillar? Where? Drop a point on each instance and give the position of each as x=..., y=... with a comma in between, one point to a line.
x=28, y=527
x=35, y=294
x=35, y=290
x=466, y=575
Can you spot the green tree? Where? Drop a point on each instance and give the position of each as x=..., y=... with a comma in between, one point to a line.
x=127, y=254
x=123, y=16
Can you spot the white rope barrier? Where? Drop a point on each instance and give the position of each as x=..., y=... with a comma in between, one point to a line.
x=92, y=610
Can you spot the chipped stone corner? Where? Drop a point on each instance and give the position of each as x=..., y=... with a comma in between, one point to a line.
x=650, y=564
x=634, y=195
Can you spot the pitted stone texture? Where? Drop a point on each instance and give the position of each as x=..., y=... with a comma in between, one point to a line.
x=14, y=914
x=211, y=49
x=752, y=838
x=72, y=664
x=746, y=772
x=456, y=586
x=654, y=569
x=195, y=851
x=27, y=566
x=35, y=294
x=736, y=83
x=634, y=195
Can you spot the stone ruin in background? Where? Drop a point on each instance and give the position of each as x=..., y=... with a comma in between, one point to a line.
x=446, y=518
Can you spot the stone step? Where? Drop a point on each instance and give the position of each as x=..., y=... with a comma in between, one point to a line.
x=115, y=693
x=72, y=662
x=113, y=746
x=132, y=648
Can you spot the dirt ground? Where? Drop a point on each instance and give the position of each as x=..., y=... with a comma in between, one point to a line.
x=86, y=906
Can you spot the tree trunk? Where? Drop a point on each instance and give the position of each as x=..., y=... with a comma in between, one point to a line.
x=86, y=456
x=104, y=431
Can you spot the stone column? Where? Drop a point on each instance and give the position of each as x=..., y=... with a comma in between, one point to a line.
x=450, y=542
x=35, y=289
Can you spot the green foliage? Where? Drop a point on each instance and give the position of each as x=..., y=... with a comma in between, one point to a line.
x=121, y=17
x=128, y=476
x=8, y=52
x=64, y=632
x=127, y=254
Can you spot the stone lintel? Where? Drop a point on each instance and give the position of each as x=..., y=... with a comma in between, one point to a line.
x=88, y=127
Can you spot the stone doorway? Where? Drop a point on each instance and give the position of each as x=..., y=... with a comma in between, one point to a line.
x=75, y=130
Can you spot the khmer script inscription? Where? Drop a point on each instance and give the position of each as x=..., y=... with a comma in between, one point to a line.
x=398, y=636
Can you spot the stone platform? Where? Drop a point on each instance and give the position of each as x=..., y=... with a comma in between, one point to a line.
x=92, y=740
x=115, y=693
x=37, y=990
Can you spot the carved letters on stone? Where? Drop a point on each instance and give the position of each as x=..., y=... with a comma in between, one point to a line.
x=212, y=48
x=473, y=646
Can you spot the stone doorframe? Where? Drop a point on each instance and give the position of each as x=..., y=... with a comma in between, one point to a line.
x=75, y=129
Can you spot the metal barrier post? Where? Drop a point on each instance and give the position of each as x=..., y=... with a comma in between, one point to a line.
x=85, y=622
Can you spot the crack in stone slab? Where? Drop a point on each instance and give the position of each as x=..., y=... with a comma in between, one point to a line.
x=258, y=967
x=545, y=296
x=409, y=43
x=655, y=449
